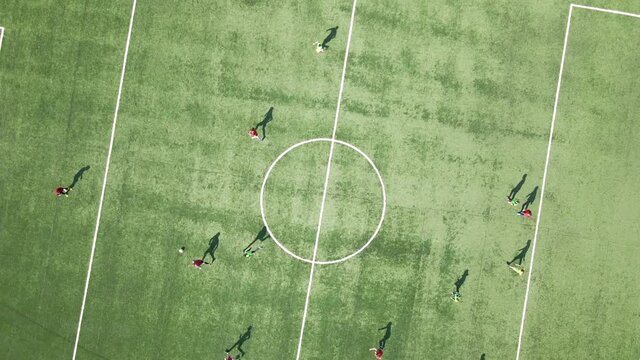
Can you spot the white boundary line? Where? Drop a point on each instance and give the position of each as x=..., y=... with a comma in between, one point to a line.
x=104, y=181
x=1, y=36
x=326, y=182
x=546, y=164
x=605, y=10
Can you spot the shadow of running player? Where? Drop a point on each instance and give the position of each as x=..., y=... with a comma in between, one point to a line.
x=213, y=246
x=461, y=280
x=387, y=335
x=522, y=253
x=265, y=120
x=262, y=236
x=238, y=344
x=332, y=35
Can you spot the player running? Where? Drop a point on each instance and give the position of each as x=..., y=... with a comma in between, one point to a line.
x=519, y=269
x=526, y=213
x=377, y=352
x=253, y=133
x=197, y=263
x=228, y=357
x=512, y=201
x=59, y=191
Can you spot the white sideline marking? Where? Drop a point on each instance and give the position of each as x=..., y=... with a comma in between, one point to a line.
x=1, y=36
x=104, y=181
x=326, y=182
x=605, y=10
x=546, y=164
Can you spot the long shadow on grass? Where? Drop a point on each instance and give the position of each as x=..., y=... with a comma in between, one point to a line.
x=521, y=255
x=461, y=280
x=265, y=120
x=213, y=246
x=262, y=236
x=517, y=187
x=241, y=340
x=79, y=175
x=386, y=336
x=531, y=197
x=332, y=35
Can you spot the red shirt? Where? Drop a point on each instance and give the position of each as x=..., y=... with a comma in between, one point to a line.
x=253, y=132
x=526, y=213
x=197, y=263
x=379, y=353
x=229, y=358
x=59, y=191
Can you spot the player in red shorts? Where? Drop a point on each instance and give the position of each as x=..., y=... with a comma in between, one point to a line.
x=378, y=352
x=253, y=133
x=526, y=213
x=197, y=263
x=59, y=191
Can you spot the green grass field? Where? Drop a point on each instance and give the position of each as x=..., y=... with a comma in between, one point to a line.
x=453, y=102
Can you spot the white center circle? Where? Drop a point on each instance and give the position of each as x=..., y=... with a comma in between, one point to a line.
x=264, y=216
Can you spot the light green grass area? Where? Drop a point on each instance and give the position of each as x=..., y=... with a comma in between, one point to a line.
x=451, y=100
x=585, y=295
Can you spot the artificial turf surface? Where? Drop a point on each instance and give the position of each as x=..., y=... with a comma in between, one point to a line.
x=451, y=100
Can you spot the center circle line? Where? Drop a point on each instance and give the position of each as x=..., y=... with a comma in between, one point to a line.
x=263, y=211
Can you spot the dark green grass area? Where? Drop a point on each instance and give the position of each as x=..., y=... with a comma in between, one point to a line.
x=585, y=294
x=451, y=100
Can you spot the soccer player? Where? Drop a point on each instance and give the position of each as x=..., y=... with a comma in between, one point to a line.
x=319, y=47
x=253, y=133
x=249, y=253
x=518, y=269
x=526, y=213
x=197, y=263
x=59, y=191
x=228, y=357
x=455, y=296
x=513, y=201
x=377, y=352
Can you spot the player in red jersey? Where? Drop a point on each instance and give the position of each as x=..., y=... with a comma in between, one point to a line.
x=378, y=352
x=59, y=191
x=253, y=133
x=197, y=263
x=228, y=357
x=526, y=213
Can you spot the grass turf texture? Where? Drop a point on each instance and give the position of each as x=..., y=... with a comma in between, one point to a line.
x=452, y=101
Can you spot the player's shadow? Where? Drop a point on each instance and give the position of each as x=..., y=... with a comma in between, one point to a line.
x=531, y=197
x=332, y=35
x=79, y=175
x=213, y=246
x=482, y=357
x=262, y=236
x=265, y=120
x=386, y=336
x=521, y=254
x=458, y=284
x=517, y=187
x=241, y=340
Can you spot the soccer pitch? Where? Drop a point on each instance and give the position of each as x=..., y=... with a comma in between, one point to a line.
x=382, y=174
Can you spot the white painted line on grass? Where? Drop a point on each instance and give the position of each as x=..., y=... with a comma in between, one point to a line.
x=104, y=181
x=326, y=182
x=605, y=10
x=544, y=183
x=1, y=36
x=546, y=164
